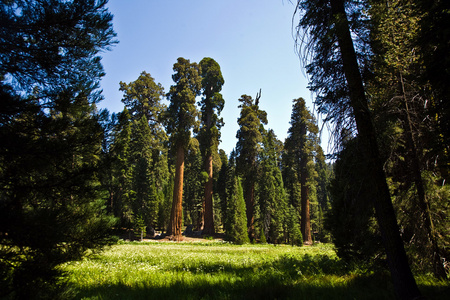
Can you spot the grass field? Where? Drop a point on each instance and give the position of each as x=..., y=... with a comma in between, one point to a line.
x=223, y=271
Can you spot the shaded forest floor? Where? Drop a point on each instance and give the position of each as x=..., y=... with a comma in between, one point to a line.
x=214, y=269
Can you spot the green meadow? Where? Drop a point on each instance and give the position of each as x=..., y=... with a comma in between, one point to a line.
x=217, y=270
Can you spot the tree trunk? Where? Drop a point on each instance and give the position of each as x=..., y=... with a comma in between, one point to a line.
x=304, y=195
x=208, y=213
x=176, y=215
x=404, y=283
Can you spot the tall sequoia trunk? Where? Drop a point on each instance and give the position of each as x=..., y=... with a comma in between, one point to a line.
x=176, y=215
x=208, y=214
x=304, y=195
x=404, y=283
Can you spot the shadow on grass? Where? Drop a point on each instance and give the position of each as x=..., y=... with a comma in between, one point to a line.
x=317, y=277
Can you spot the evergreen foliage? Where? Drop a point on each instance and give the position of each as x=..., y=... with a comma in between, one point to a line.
x=293, y=230
x=249, y=137
x=142, y=97
x=236, y=212
x=380, y=73
x=300, y=149
x=271, y=194
x=138, y=155
x=51, y=210
x=181, y=118
x=351, y=219
x=211, y=105
x=338, y=68
x=195, y=178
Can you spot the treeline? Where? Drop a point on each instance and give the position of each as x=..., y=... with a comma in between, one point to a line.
x=157, y=176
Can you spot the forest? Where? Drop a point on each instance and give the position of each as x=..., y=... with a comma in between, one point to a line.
x=75, y=178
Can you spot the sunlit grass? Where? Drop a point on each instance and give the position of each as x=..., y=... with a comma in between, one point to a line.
x=225, y=271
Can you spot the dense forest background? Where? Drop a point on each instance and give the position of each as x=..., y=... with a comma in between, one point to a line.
x=73, y=177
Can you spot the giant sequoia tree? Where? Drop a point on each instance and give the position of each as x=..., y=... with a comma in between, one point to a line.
x=181, y=118
x=333, y=56
x=209, y=135
x=50, y=209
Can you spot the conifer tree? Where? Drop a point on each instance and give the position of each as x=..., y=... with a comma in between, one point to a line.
x=248, y=146
x=301, y=145
x=293, y=230
x=221, y=186
x=193, y=187
x=181, y=118
x=271, y=193
x=239, y=223
x=120, y=172
x=401, y=112
x=144, y=203
x=211, y=105
x=142, y=97
x=236, y=217
x=337, y=76
x=50, y=208
x=146, y=151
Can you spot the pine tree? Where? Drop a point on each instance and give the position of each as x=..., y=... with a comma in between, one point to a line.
x=51, y=211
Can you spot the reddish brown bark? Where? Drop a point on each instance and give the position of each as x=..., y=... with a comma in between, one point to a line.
x=176, y=216
x=208, y=215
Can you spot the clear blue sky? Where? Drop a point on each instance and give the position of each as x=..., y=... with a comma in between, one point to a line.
x=250, y=39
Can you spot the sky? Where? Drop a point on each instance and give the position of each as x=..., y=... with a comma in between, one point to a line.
x=251, y=40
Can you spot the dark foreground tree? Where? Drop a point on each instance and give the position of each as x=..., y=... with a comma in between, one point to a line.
x=209, y=135
x=50, y=208
x=181, y=118
x=330, y=37
x=412, y=141
x=351, y=219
